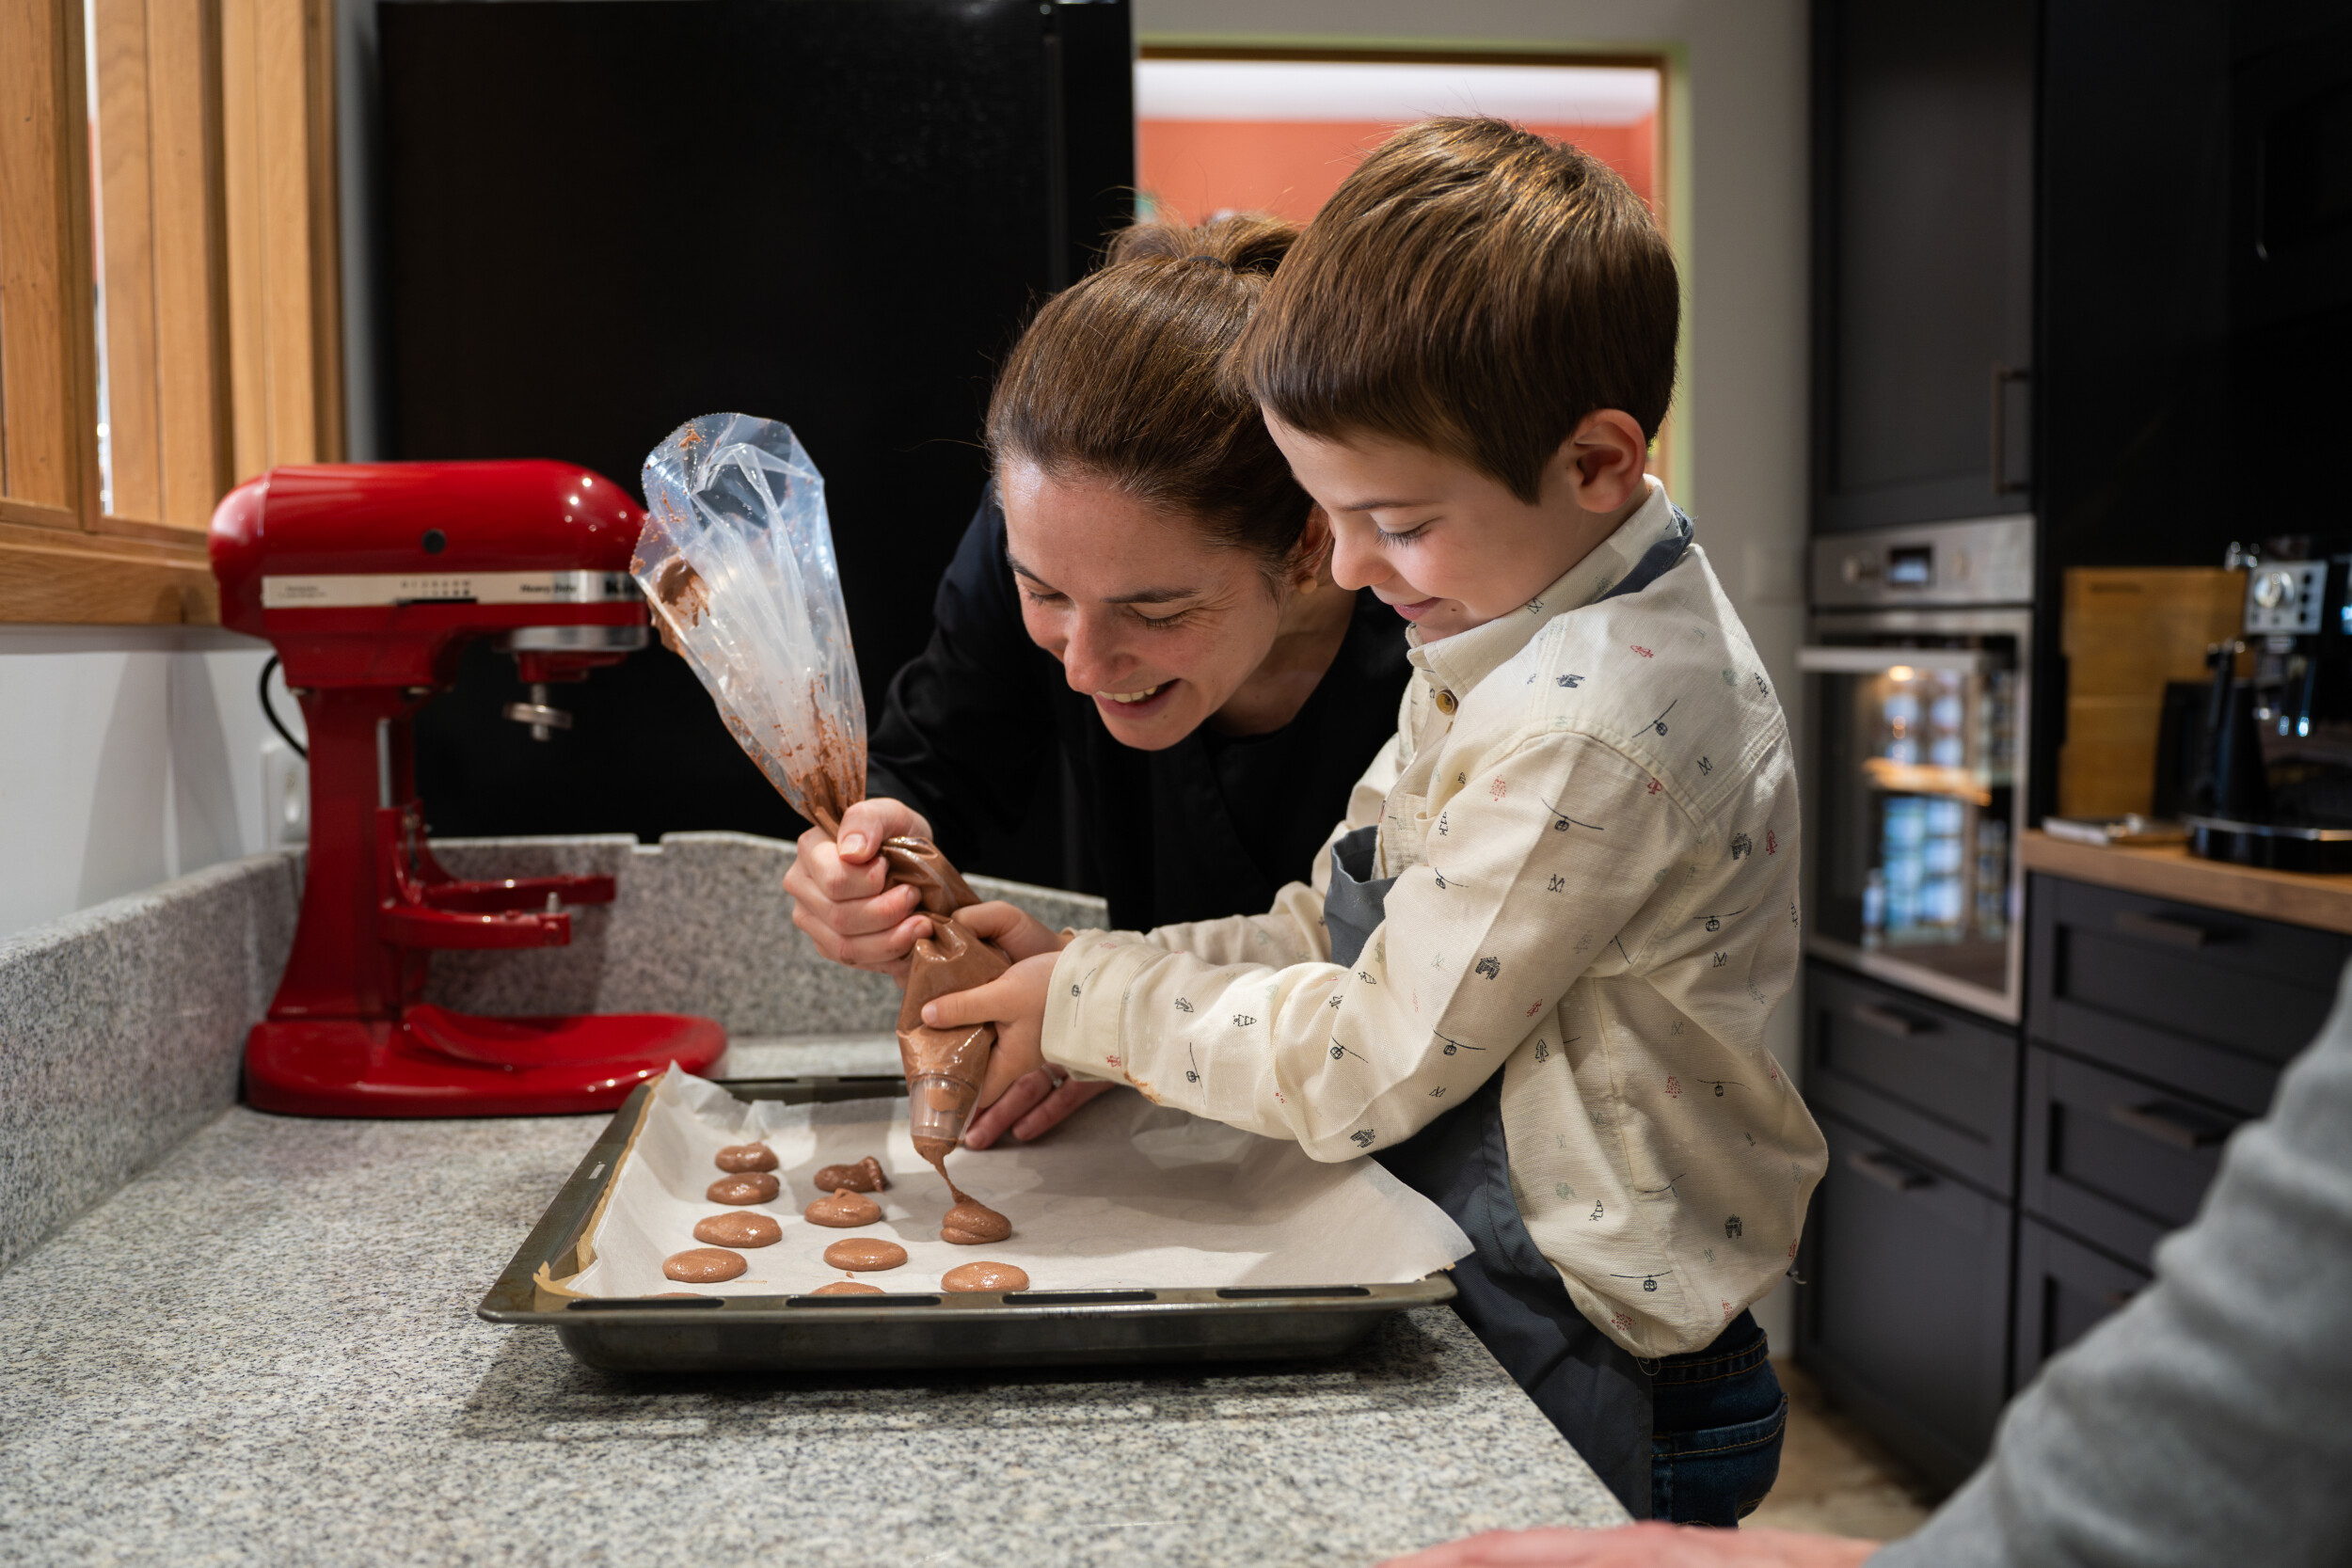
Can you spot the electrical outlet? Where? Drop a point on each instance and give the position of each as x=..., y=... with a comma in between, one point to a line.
x=285, y=797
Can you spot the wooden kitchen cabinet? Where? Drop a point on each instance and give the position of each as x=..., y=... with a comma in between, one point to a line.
x=1923, y=240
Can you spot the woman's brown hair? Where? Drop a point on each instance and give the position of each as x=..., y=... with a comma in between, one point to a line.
x=1121, y=377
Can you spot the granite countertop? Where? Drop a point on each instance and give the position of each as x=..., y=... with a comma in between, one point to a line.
x=2169, y=871
x=263, y=1349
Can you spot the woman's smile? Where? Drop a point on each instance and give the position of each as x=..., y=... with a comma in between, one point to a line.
x=1142, y=703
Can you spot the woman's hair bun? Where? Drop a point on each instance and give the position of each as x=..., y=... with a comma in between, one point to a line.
x=1246, y=242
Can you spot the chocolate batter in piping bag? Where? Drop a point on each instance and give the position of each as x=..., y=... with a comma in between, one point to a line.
x=735, y=560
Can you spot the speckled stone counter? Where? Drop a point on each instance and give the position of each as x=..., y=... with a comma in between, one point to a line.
x=121, y=1027
x=263, y=1350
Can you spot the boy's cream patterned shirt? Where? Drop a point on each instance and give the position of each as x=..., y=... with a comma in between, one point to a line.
x=1591, y=810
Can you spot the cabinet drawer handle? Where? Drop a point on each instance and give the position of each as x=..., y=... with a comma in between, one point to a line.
x=2155, y=928
x=1886, y=1021
x=2169, y=1124
x=1888, y=1172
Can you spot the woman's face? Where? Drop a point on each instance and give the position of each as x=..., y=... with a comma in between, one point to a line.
x=1155, y=623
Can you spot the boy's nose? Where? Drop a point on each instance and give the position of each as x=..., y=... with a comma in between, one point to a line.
x=1356, y=560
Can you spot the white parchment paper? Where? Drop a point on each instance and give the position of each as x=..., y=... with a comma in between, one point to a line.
x=1123, y=1194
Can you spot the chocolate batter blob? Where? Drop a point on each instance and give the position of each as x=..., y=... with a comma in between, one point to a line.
x=704, y=1266
x=743, y=1157
x=751, y=1187
x=970, y=1223
x=984, y=1277
x=864, y=1177
x=845, y=1287
x=739, y=1230
x=864, y=1254
x=843, y=1210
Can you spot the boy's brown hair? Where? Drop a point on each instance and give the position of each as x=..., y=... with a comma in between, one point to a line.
x=1473, y=289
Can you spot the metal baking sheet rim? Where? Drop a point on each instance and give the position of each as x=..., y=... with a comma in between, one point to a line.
x=915, y=1329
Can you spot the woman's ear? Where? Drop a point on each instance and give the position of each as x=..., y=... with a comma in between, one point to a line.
x=1602, y=461
x=1311, y=560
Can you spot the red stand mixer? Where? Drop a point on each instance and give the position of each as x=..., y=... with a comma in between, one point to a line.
x=369, y=579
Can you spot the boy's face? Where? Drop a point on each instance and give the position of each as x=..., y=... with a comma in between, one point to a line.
x=1448, y=547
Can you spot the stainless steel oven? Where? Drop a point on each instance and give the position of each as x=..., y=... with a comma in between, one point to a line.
x=1916, y=673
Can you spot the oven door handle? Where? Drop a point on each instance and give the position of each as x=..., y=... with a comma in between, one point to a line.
x=1876, y=662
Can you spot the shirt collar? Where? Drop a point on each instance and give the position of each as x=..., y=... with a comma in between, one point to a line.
x=1459, y=662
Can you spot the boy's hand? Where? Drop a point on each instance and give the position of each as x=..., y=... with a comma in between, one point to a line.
x=1021, y=935
x=1015, y=1002
x=841, y=895
x=1035, y=1105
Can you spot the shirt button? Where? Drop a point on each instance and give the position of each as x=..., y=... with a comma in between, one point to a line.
x=1446, y=702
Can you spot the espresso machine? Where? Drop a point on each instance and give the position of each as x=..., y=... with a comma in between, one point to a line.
x=2273, y=785
x=369, y=579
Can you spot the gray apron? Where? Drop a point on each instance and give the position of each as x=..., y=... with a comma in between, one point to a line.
x=1585, y=1383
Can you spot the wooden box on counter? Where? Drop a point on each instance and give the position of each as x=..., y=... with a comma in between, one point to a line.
x=2127, y=631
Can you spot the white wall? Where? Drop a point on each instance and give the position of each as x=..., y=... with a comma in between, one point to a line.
x=128, y=757
x=1740, y=231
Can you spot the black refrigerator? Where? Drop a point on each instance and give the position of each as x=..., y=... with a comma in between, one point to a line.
x=599, y=219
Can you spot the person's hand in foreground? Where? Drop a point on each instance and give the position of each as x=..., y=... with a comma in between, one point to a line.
x=1643, y=1545
x=841, y=892
x=1035, y=1105
x=1014, y=1001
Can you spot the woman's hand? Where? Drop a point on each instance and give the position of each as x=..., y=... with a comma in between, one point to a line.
x=1035, y=1105
x=841, y=892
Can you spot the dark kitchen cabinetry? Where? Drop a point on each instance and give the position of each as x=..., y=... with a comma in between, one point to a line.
x=1910, y=1242
x=1991, y=1198
x=1924, y=235
x=2154, y=1028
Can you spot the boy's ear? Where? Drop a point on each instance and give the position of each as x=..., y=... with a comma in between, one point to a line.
x=1602, y=460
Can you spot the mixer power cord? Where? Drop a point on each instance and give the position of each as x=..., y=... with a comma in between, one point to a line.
x=270, y=713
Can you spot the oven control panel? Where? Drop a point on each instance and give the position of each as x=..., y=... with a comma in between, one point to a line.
x=1985, y=561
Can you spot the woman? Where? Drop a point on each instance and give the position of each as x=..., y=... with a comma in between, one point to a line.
x=1214, y=693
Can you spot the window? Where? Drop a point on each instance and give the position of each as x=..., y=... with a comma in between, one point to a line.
x=1273, y=129
x=169, y=323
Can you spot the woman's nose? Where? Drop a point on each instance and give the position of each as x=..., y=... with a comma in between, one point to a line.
x=1092, y=659
x=1356, y=560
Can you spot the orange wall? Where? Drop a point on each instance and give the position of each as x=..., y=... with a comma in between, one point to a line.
x=1197, y=168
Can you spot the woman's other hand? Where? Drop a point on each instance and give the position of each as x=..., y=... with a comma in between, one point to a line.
x=1036, y=1104
x=841, y=892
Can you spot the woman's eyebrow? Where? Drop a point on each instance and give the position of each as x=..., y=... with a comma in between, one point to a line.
x=1141, y=596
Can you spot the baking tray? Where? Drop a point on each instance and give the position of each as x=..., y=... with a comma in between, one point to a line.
x=983, y=1329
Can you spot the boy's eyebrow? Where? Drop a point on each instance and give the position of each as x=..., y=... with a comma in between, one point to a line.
x=1141, y=596
x=1383, y=504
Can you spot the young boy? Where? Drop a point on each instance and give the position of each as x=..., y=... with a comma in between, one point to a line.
x=1533, y=975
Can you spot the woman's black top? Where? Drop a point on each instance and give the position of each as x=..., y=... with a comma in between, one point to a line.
x=1211, y=826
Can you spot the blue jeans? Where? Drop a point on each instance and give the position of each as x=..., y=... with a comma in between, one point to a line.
x=1717, y=1421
